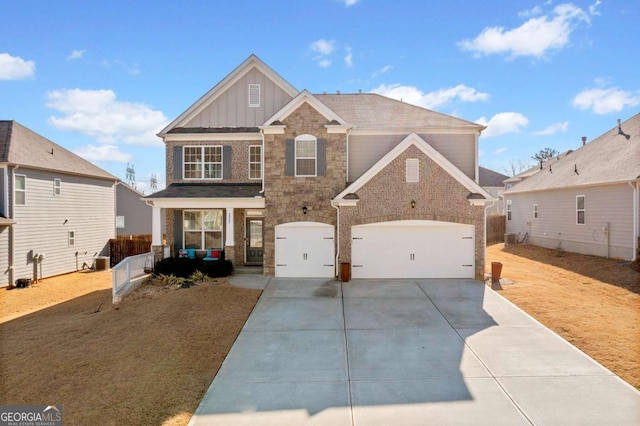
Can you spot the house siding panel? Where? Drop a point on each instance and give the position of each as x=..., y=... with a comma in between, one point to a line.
x=556, y=225
x=88, y=207
x=365, y=151
x=231, y=108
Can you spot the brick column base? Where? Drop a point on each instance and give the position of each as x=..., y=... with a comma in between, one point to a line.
x=158, y=253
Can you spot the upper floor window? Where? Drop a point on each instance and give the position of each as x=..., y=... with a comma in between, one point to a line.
x=412, y=170
x=203, y=162
x=20, y=190
x=255, y=162
x=508, y=209
x=305, y=155
x=57, y=183
x=254, y=95
x=580, y=210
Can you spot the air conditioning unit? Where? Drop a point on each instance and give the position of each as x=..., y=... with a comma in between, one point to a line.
x=510, y=239
x=101, y=263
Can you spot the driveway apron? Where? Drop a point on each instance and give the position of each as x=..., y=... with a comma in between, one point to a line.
x=410, y=352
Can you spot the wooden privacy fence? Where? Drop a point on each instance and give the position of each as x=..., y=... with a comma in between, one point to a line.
x=496, y=228
x=121, y=248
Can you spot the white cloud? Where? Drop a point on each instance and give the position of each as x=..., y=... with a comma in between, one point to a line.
x=381, y=71
x=350, y=2
x=415, y=96
x=75, y=54
x=133, y=69
x=500, y=150
x=97, y=113
x=536, y=37
x=109, y=153
x=348, y=59
x=324, y=63
x=15, y=68
x=561, y=127
x=323, y=47
x=534, y=11
x=504, y=122
x=592, y=8
x=603, y=100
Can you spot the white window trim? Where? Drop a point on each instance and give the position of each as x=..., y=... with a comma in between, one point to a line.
x=583, y=209
x=57, y=187
x=254, y=104
x=15, y=190
x=509, y=203
x=202, y=162
x=412, y=170
x=71, y=238
x=201, y=230
x=315, y=157
x=254, y=162
x=535, y=211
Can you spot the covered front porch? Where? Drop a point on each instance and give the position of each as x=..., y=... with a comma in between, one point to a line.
x=227, y=217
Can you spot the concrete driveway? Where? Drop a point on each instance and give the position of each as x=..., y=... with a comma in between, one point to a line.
x=410, y=352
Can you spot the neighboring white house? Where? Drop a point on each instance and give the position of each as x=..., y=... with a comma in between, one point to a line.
x=586, y=202
x=57, y=210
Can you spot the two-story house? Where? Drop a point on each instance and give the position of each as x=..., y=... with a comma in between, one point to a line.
x=57, y=210
x=302, y=183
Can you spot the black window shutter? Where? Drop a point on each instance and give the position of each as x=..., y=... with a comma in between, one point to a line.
x=226, y=162
x=177, y=229
x=322, y=157
x=289, y=156
x=177, y=162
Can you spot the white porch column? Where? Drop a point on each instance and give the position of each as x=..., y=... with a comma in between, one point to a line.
x=156, y=226
x=229, y=237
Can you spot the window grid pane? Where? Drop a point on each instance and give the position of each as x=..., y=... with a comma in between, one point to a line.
x=255, y=162
x=305, y=157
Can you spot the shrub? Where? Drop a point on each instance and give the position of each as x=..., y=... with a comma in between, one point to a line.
x=198, y=276
x=185, y=267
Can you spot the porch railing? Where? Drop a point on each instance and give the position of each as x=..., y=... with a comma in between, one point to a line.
x=129, y=273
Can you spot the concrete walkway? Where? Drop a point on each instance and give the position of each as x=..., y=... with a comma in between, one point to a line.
x=410, y=352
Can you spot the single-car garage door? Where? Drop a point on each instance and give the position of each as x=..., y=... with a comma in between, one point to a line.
x=305, y=249
x=413, y=249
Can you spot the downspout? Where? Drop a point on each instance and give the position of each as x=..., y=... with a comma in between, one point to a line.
x=347, y=159
x=262, y=161
x=12, y=202
x=636, y=193
x=486, y=206
x=337, y=259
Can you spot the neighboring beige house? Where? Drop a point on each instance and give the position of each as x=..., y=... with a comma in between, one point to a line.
x=301, y=183
x=493, y=183
x=586, y=202
x=57, y=210
x=133, y=214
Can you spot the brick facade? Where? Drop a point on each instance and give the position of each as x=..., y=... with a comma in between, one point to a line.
x=438, y=196
x=286, y=195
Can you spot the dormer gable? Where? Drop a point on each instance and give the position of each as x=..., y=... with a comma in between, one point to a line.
x=243, y=99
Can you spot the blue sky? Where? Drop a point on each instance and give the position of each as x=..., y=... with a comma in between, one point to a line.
x=102, y=78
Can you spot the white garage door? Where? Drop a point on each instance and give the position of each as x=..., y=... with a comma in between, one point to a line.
x=413, y=249
x=305, y=249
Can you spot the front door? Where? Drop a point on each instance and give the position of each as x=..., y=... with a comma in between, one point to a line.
x=254, y=246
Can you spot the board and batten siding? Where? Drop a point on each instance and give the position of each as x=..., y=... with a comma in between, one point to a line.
x=607, y=205
x=231, y=108
x=366, y=150
x=85, y=205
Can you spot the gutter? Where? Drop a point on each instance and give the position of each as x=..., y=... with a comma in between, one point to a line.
x=12, y=248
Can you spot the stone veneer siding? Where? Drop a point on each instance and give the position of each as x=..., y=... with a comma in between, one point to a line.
x=438, y=196
x=286, y=195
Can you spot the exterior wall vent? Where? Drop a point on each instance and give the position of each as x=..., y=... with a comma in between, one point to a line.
x=254, y=95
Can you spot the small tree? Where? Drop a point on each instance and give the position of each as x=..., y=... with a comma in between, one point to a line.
x=544, y=154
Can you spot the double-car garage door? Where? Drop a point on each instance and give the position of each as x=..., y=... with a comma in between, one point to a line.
x=397, y=249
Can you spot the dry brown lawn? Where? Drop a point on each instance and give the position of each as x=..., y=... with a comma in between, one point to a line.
x=148, y=360
x=592, y=302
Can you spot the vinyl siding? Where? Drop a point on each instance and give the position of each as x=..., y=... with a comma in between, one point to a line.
x=88, y=206
x=556, y=223
x=231, y=108
x=137, y=214
x=365, y=151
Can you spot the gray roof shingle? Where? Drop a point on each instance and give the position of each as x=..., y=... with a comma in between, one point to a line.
x=209, y=190
x=22, y=146
x=373, y=111
x=610, y=158
x=488, y=177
